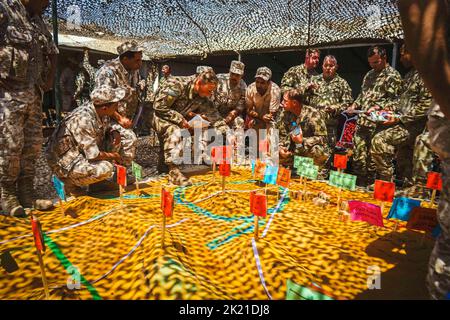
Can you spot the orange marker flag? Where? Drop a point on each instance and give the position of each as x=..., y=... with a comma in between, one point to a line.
x=434, y=181
x=260, y=168
x=284, y=176
x=340, y=161
x=258, y=204
x=121, y=176
x=384, y=191
x=225, y=169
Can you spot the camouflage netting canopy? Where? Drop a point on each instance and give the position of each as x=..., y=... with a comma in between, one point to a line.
x=170, y=28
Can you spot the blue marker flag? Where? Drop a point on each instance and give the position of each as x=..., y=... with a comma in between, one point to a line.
x=253, y=167
x=59, y=187
x=401, y=207
x=270, y=175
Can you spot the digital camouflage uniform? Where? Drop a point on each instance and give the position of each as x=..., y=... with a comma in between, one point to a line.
x=84, y=82
x=335, y=94
x=314, y=135
x=438, y=278
x=412, y=105
x=381, y=89
x=174, y=100
x=422, y=159
x=114, y=75
x=25, y=45
x=78, y=140
x=297, y=77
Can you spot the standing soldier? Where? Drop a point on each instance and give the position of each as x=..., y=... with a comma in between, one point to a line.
x=332, y=96
x=27, y=62
x=302, y=132
x=123, y=72
x=84, y=81
x=380, y=89
x=178, y=99
x=298, y=78
x=400, y=132
x=262, y=101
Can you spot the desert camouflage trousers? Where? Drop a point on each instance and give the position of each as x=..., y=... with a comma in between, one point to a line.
x=422, y=159
x=20, y=133
x=438, y=279
x=383, y=149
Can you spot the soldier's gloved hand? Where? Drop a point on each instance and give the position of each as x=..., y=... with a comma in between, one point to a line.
x=284, y=153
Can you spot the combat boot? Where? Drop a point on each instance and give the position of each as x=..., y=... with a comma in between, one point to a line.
x=27, y=195
x=10, y=203
x=177, y=178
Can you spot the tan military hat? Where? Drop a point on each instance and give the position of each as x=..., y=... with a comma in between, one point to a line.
x=237, y=67
x=131, y=46
x=201, y=69
x=264, y=73
x=105, y=94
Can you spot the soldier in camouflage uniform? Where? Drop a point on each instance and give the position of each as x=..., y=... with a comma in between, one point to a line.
x=298, y=78
x=84, y=81
x=380, y=89
x=27, y=58
x=401, y=132
x=123, y=72
x=312, y=138
x=431, y=58
x=262, y=102
x=331, y=97
x=177, y=100
x=76, y=151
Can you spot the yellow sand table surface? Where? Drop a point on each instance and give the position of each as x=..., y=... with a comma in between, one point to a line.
x=209, y=251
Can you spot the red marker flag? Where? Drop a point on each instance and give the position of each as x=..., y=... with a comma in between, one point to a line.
x=225, y=169
x=221, y=154
x=37, y=234
x=121, y=176
x=422, y=219
x=258, y=204
x=167, y=203
x=384, y=191
x=284, y=176
x=340, y=161
x=434, y=181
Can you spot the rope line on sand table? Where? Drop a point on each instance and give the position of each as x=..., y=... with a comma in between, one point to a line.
x=275, y=210
x=258, y=266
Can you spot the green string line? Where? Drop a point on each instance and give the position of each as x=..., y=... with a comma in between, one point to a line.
x=67, y=264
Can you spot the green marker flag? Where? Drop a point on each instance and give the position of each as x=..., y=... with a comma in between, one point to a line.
x=137, y=170
x=342, y=180
x=298, y=161
x=297, y=292
x=309, y=171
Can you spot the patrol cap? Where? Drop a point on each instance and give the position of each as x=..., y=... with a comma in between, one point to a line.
x=129, y=46
x=237, y=67
x=264, y=73
x=105, y=94
x=201, y=69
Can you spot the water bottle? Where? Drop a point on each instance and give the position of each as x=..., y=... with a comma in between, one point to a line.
x=296, y=131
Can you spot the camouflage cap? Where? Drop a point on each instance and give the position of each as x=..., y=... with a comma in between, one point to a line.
x=129, y=46
x=264, y=73
x=105, y=94
x=201, y=69
x=237, y=67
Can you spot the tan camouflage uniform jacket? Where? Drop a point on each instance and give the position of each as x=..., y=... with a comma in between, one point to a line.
x=297, y=78
x=227, y=99
x=379, y=88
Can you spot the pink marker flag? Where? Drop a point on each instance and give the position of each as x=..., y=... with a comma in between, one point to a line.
x=363, y=211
